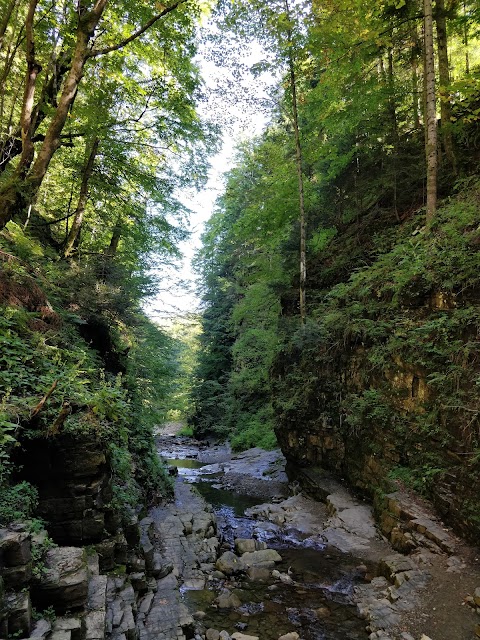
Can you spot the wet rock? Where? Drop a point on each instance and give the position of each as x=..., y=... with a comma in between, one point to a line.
x=199, y=615
x=245, y=545
x=228, y=563
x=265, y=558
x=293, y=635
x=64, y=583
x=224, y=635
x=228, y=600
x=241, y=636
x=212, y=634
x=258, y=574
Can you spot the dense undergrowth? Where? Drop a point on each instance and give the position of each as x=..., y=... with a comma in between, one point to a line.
x=386, y=370
x=77, y=357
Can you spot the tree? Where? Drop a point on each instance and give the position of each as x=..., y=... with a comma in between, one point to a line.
x=430, y=113
x=21, y=189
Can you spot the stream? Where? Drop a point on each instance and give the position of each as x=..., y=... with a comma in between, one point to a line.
x=311, y=591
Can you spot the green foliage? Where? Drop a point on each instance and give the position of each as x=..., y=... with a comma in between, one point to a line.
x=17, y=501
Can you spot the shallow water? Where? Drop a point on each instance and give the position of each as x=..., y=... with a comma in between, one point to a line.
x=318, y=605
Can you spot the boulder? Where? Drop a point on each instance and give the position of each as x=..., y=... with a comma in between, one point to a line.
x=246, y=545
x=265, y=558
x=229, y=563
x=258, y=574
x=64, y=583
x=160, y=567
x=228, y=600
x=15, y=548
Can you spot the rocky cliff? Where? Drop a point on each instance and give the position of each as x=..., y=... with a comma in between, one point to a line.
x=381, y=385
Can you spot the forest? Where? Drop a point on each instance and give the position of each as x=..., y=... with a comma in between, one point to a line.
x=338, y=272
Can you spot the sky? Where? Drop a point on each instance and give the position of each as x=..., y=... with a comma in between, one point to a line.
x=243, y=116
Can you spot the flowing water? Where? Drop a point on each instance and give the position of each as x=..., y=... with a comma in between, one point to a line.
x=317, y=604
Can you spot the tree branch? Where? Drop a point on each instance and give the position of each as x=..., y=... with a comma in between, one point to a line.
x=115, y=47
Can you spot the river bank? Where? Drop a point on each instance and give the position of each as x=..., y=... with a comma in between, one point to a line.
x=341, y=576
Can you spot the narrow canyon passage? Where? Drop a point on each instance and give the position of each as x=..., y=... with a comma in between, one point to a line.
x=335, y=577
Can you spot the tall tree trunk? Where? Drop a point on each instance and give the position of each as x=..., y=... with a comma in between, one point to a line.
x=111, y=250
x=392, y=107
x=20, y=191
x=299, y=163
x=465, y=41
x=6, y=19
x=82, y=200
x=444, y=81
x=430, y=115
x=33, y=69
x=415, y=92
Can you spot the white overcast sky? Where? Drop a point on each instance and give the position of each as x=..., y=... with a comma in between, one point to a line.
x=243, y=119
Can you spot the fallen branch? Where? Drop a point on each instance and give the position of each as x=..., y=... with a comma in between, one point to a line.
x=42, y=402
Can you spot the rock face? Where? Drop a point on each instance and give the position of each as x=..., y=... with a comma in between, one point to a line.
x=64, y=583
x=74, y=487
x=317, y=433
x=15, y=558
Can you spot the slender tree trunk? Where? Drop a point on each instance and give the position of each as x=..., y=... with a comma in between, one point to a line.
x=415, y=92
x=301, y=197
x=465, y=42
x=444, y=81
x=430, y=115
x=5, y=20
x=392, y=107
x=111, y=250
x=82, y=200
x=33, y=69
